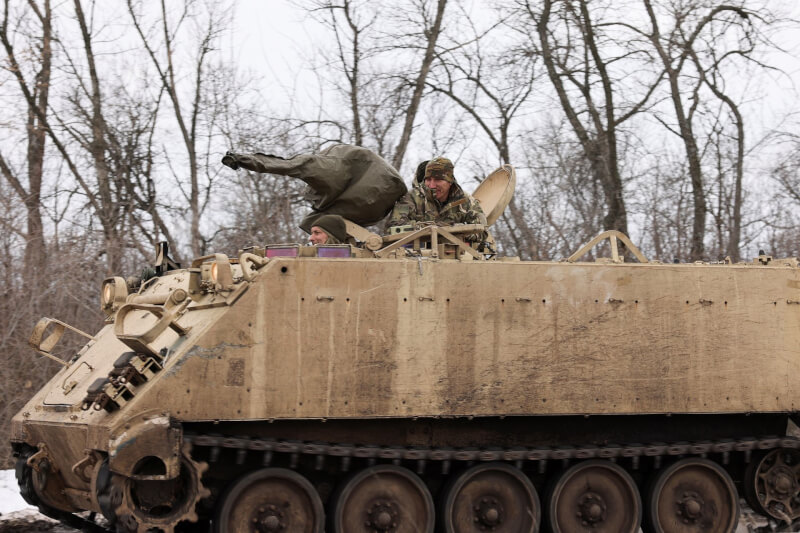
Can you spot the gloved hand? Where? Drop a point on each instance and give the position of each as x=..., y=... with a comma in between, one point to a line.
x=147, y=273
x=230, y=160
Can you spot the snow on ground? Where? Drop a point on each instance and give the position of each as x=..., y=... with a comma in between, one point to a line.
x=16, y=516
x=10, y=498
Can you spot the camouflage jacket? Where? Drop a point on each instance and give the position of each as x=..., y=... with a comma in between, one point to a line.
x=419, y=205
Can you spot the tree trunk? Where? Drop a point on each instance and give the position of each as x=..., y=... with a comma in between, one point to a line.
x=600, y=147
x=734, y=239
x=689, y=141
x=98, y=148
x=35, y=254
x=419, y=85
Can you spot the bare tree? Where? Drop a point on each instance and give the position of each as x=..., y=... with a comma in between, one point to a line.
x=430, y=36
x=784, y=235
x=560, y=204
x=679, y=49
x=787, y=169
x=724, y=199
x=37, y=92
x=104, y=190
x=666, y=202
x=193, y=114
x=383, y=58
x=589, y=59
x=110, y=147
x=350, y=22
x=710, y=71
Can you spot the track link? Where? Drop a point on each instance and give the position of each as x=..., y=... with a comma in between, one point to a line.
x=291, y=451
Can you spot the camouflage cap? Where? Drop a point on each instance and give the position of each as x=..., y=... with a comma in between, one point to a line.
x=333, y=225
x=440, y=168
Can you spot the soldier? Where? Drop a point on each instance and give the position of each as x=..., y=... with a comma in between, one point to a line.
x=328, y=229
x=438, y=199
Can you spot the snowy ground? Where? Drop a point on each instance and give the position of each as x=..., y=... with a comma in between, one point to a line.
x=16, y=516
x=10, y=499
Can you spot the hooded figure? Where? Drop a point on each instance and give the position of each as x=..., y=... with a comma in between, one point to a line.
x=419, y=174
x=332, y=226
x=438, y=199
x=344, y=180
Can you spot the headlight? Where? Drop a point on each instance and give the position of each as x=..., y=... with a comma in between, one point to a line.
x=214, y=272
x=113, y=294
x=108, y=294
x=221, y=273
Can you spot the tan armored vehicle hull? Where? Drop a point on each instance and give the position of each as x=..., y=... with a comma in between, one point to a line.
x=317, y=338
x=439, y=354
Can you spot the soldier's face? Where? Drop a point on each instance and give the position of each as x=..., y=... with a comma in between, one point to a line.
x=439, y=187
x=318, y=236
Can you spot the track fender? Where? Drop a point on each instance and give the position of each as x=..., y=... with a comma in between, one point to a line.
x=146, y=447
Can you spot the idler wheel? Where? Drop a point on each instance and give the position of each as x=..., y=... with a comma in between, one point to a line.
x=384, y=499
x=32, y=484
x=492, y=497
x=691, y=495
x=270, y=500
x=595, y=495
x=772, y=486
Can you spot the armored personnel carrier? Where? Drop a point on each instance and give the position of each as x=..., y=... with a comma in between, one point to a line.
x=418, y=384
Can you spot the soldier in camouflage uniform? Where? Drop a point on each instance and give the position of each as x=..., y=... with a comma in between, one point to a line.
x=438, y=199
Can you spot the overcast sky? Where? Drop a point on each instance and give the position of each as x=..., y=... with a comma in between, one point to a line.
x=274, y=38
x=271, y=38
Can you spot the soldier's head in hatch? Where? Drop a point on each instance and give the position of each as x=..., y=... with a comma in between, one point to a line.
x=328, y=229
x=439, y=177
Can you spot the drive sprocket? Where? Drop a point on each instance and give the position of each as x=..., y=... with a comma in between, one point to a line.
x=161, y=504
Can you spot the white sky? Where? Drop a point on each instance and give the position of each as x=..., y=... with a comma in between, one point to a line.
x=272, y=38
